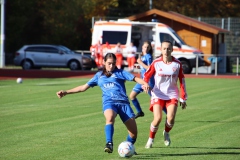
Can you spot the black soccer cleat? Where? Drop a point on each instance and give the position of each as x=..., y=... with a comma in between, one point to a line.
x=139, y=114
x=109, y=147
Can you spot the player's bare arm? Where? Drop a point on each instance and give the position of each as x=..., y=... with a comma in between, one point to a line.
x=145, y=86
x=142, y=64
x=81, y=88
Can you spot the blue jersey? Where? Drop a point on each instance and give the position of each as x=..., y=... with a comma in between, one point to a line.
x=147, y=59
x=113, y=87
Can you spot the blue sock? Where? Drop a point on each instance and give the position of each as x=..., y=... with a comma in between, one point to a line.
x=130, y=139
x=136, y=105
x=109, y=130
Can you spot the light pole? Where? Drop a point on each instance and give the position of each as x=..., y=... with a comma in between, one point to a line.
x=2, y=53
x=150, y=4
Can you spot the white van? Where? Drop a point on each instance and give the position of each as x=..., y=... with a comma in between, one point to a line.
x=125, y=31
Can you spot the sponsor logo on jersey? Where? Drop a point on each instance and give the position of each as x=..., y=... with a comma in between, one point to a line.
x=166, y=75
x=108, y=85
x=163, y=75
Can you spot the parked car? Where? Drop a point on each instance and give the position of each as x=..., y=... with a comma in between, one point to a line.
x=43, y=55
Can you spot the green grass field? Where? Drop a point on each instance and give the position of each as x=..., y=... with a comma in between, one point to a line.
x=36, y=125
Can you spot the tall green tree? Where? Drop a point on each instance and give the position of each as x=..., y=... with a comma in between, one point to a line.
x=69, y=22
x=46, y=21
x=202, y=8
x=23, y=24
x=64, y=23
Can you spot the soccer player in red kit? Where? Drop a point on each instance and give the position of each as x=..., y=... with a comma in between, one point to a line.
x=166, y=71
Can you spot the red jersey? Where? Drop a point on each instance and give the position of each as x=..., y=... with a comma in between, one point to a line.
x=166, y=77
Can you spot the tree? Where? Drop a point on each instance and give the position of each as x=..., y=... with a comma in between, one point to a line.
x=201, y=8
x=46, y=21
x=69, y=22
x=21, y=21
x=64, y=23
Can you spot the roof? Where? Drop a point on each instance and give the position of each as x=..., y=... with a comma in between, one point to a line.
x=181, y=19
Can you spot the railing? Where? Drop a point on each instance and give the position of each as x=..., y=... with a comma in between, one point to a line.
x=223, y=62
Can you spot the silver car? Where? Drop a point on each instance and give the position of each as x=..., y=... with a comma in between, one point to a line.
x=40, y=55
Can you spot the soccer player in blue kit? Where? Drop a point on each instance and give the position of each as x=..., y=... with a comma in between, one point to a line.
x=144, y=60
x=115, y=101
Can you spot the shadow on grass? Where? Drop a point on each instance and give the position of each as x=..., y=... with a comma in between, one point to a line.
x=201, y=148
x=222, y=121
x=200, y=153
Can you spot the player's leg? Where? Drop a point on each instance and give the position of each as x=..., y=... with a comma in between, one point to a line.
x=171, y=113
x=109, y=129
x=133, y=60
x=101, y=60
x=120, y=59
x=157, y=117
x=133, y=97
x=132, y=130
x=129, y=63
x=127, y=116
x=117, y=62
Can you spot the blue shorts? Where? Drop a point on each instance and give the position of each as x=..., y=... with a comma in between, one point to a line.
x=124, y=110
x=138, y=89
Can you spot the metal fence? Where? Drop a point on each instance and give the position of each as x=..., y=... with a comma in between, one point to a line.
x=220, y=64
x=232, y=39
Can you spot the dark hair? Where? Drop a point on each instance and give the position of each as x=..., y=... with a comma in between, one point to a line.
x=106, y=57
x=168, y=41
x=149, y=48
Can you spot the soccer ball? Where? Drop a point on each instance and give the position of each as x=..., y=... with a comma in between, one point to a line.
x=126, y=149
x=19, y=80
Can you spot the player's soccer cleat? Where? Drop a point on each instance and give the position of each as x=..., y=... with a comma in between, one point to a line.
x=167, y=140
x=109, y=147
x=139, y=114
x=149, y=143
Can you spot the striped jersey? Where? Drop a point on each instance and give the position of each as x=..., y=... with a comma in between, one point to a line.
x=166, y=77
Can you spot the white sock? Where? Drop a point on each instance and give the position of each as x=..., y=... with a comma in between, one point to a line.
x=150, y=140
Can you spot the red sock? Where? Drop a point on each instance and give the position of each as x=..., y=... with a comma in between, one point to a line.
x=168, y=127
x=153, y=131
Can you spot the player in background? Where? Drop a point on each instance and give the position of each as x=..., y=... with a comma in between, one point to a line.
x=118, y=53
x=144, y=60
x=166, y=71
x=115, y=101
x=97, y=53
x=131, y=56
